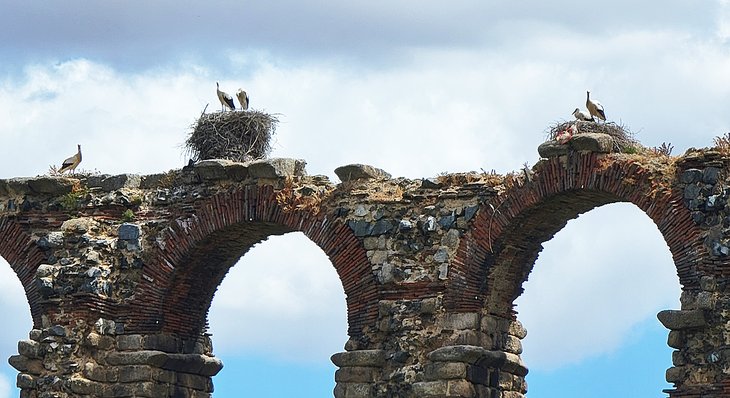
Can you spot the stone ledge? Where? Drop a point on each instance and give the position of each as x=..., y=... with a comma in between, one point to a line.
x=352, y=172
x=277, y=168
x=366, y=358
x=507, y=362
x=682, y=319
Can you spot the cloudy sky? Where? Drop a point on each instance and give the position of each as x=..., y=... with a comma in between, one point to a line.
x=414, y=87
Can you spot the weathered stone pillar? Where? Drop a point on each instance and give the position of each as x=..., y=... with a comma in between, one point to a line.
x=700, y=335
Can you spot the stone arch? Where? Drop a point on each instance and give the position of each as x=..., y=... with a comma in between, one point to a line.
x=202, y=243
x=496, y=257
x=24, y=257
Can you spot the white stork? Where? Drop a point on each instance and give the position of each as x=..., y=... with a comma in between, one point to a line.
x=71, y=163
x=242, y=98
x=582, y=115
x=595, y=107
x=225, y=99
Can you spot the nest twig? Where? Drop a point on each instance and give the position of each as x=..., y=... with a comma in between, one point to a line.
x=237, y=135
x=623, y=138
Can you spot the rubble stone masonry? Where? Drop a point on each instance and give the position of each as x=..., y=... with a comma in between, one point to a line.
x=120, y=271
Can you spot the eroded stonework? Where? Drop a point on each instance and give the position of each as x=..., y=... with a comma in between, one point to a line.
x=120, y=271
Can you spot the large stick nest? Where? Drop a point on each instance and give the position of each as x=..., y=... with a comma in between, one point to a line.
x=623, y=138
x=236, y=135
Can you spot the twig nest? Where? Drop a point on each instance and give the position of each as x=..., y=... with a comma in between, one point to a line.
x=238, y=135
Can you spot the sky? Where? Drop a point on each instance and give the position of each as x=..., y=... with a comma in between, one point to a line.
x=417, y=88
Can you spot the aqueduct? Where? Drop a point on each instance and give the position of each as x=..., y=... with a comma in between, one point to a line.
x=120, y=271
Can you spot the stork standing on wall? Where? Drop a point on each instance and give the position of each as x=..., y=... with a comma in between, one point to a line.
x=595, y=107
x=242, y=98
x=71, y=163
x=225, y=99
x=582, y=115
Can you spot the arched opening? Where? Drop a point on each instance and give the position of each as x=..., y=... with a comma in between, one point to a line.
x=590, y=307
x=17, y=323
x=275, y=320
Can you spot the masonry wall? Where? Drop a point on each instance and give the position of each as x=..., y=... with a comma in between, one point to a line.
x=120, y=271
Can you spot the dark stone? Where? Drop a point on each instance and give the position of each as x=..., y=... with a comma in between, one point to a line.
x=360, y=227
x=152, y=358
x=447, y=221
x=381, y=227
x=431, y=183
x=129, y=232
x=469, y=212
x=691, y=176
x=352, y=172
x=57, y=330
x=710, y=175
x=698, y=217
x=341, y=211
x=692, y=191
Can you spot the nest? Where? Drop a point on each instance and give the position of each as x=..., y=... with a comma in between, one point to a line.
x=237, y=135
x=623, y=138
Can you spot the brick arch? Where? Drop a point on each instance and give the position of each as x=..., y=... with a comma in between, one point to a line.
x=498, y=254
x=24, y=257
x=202, y=244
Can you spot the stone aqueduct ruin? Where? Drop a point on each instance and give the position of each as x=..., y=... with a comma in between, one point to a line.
x=120, y=271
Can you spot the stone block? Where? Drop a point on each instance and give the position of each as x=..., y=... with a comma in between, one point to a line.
x=478, y=375
x=109, y=183
x=445, y=371
x=83, y=386
x=276, y=168
x=462, y=321
x=134, y=373
x=460, y=388
x=25, y=380
x=592, y=142
x=352, y=172
x=128, y=231
x=212, y=169
x=430, y=388
x=357, y=374
x=152, y=180
x=51, y=185
x=152, y=358
x=512, y=344
x=551, y=149
x=196, y=382
x=193, y=363
x=676, y=374
x=95, y=372
x=458, y=353
x=129, y=342
x=517, y=329
x=29, y=348
x=368, y=358
x=676, y=339
x=682, y=319
x=161, y=342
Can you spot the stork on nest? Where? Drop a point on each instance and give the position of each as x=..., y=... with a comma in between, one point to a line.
x=623, y=138
x=237, y=136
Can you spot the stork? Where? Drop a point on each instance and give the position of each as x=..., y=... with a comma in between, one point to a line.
x=595, y=107
x=225, y=99
x=242, y=98
x=582, y=115
x=72, y=162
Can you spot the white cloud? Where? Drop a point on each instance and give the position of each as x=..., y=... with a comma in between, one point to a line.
x=596, y=280
x=275, y=303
